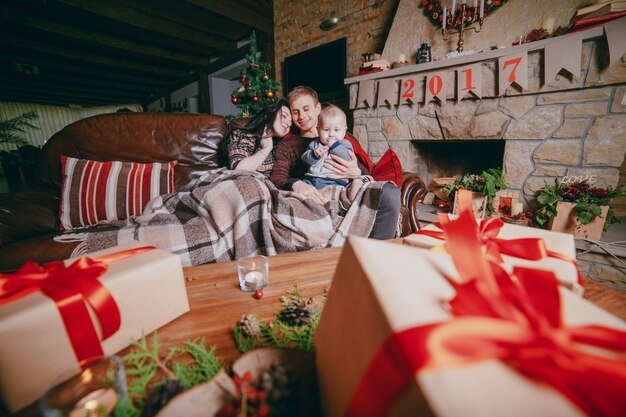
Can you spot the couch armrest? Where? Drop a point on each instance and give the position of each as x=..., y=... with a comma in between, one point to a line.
x=413, y=191
x=28, y=214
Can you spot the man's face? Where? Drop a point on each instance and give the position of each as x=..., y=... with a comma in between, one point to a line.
x=305, y=112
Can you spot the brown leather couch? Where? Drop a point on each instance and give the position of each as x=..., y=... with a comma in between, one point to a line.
x=29, y=219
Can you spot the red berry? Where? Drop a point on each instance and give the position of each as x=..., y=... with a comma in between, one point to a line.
x=264, y=411
x=258, y=294
x=262, y=395
x=247, y=376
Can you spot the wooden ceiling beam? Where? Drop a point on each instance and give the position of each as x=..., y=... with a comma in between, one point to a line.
x=35, y=91
x=92, y=57
x=120, y=12
x=63, y=80
x=54, y=86
x=70, y=68
x=234, y=10
x=193, y=16
x=101, y=39
x=30, y=97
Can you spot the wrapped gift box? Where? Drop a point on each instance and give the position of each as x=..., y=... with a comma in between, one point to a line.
x=562, y=243
x=379, y=289
x=149, y=289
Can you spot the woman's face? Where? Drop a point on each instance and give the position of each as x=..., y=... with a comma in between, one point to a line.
x=282, y=122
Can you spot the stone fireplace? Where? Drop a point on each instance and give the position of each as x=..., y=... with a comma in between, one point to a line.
x=572, y=127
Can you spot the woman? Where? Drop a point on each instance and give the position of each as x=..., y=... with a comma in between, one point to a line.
x=250, y=146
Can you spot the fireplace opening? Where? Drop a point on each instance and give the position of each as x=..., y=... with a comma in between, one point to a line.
x=455, y=158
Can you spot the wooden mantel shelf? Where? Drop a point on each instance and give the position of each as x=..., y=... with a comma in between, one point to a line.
x=589, y=34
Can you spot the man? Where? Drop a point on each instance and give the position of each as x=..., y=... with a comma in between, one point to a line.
x=289, y=169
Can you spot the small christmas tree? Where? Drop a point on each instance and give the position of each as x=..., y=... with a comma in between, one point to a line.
x=257, y=89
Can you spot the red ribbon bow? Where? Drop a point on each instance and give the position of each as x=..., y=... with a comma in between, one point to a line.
x=533, y=249
x=497, y=316
x=69, y=287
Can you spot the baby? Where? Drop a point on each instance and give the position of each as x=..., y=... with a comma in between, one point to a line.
x=331, y=127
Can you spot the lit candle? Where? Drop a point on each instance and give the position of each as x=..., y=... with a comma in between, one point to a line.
x=95, y=404
x=482, y=8
x=516, y=208
x=253, y=278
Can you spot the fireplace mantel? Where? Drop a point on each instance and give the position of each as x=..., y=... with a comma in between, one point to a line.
x=569, y=127
x=587, y=35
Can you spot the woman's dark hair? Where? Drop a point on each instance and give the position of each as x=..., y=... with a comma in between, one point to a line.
x=255, y=125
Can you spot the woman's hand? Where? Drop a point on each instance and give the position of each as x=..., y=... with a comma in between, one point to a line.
x=266, y=145
x=343, y=168
x=309, y=191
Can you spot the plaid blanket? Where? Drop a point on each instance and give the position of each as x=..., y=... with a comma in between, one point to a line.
x=227, y=215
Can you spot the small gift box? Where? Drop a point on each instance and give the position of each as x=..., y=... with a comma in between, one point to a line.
x=54, y=316
x=513, y=245
x=397, y=339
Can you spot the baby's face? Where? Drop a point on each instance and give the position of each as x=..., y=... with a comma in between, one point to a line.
x=332, y=129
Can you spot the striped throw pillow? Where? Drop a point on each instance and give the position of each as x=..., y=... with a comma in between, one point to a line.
x=94, y=191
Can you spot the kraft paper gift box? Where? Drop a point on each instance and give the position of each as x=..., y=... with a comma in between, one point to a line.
x=149, y=290
x=561, y=243
x=381, y=288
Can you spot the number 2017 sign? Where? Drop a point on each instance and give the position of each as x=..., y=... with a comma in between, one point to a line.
x=512, y=69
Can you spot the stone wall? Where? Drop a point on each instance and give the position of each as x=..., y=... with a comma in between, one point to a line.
x=550, y=131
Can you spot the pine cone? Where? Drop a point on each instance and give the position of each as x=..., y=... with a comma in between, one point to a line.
x=159, y=397
x=249, y=325
x=297, y=312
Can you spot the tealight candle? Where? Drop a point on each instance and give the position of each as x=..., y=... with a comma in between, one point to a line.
x=100, y=402
x=401, y=58
x=253, y=278
x=252, y=271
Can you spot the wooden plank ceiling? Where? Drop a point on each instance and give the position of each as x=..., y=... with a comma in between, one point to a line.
x=94, y=52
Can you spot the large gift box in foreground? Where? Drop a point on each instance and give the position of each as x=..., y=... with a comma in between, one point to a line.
x=149, y=290
x=523, y=245
x=381, y=290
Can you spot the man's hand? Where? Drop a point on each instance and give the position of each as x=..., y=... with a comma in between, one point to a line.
x=319, y=152
x=309, y=191
x=342, y=168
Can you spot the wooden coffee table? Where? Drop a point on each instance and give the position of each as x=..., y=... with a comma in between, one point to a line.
x=217, y=303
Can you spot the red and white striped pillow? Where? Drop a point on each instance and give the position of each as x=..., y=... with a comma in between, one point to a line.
x=94, y=191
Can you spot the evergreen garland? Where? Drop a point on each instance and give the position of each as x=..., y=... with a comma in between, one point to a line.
x=280, y=334
x=155, y=379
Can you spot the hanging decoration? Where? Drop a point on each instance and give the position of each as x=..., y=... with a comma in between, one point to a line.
x=434, y=9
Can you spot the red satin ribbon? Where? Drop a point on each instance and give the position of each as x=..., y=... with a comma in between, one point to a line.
x=533, y=249
x=69, y=287
x=516, y=319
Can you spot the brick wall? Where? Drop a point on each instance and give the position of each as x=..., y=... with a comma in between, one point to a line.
x=296, y=28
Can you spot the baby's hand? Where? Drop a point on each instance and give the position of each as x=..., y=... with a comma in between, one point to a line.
x=319, y=152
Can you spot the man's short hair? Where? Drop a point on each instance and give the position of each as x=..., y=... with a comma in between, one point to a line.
x=331, y=111
x=302, y=91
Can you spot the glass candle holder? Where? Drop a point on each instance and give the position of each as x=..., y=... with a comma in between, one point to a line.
x=252, y=272
x=93, y=393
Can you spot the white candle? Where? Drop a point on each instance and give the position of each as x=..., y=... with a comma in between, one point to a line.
x=453, y=9
x=444, y=23
x=475, y=4
x=401, y=58
x=253, y=278
x=548, y=24
x=482, y=8
x=516, y=208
